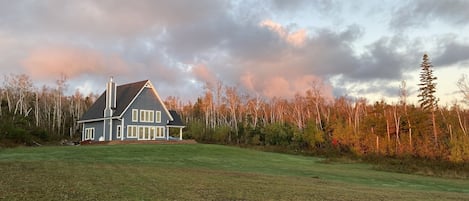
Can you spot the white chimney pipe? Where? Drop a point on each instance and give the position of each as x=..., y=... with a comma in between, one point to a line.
x=110, y=98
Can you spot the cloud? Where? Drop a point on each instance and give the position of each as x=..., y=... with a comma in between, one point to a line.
x=382, y=61
x=104, y=19
x=421, y=13
x=268, y=58
x=279, y=86
x=452, y=53
x=296, y=38
x=51, y=62
x=272, y=48
x=203, y=74
x=325, y=8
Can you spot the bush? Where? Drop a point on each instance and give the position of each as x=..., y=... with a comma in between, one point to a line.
x=421, y=166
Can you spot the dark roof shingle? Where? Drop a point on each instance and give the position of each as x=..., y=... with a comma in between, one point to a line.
x=177, y=121
x=125, y=94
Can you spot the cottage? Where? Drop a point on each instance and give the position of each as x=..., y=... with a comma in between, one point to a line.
x=131, y=111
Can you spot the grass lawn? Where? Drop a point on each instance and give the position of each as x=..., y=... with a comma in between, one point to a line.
x=202, y=172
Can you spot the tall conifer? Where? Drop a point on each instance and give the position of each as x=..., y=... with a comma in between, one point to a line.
x=427, y=86
x=427, y=89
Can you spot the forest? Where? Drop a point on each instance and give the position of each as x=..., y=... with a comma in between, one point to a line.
x=306, y=123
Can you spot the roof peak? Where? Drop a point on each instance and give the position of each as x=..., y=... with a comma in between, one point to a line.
x=130, y=83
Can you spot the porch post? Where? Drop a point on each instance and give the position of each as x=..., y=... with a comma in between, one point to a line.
x=167, y=133
x=83, y=132
x=122, y=129
x=180, y=133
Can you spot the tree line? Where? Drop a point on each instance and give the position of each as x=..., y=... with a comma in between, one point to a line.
x=30, y=115
x=308, y=122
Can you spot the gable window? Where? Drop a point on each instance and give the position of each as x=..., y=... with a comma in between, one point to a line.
x=89, y=134
x=147, y=116
x=134, y=115
x=131, y=131
x=158, y=116
x=119, y=131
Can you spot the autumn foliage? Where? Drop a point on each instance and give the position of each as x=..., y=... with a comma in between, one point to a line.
x=306, y=123
x=310, y=123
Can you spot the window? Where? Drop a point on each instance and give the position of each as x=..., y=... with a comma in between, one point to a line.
x=131, y=131
x=134, y=115
x=159, y=132
x=89, y=134
x=151, y=116
x=146, y=132
x=158, y=116
x=152, y=132
x=142, y=115
x=119, y=131
x=147, y=116
x=140, y=132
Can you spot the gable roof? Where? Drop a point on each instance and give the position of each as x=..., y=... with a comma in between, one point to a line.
x=125, y=95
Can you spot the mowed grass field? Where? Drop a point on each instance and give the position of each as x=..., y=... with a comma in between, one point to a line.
x=202, y=172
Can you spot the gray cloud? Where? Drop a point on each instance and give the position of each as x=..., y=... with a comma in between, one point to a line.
x=452, y=53
x=177, y=42
x=382, y=62
x=421, y=13
x=106, y=18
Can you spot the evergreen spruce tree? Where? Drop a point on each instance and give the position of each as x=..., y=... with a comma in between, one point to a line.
x=427, y=86
x=427, y=89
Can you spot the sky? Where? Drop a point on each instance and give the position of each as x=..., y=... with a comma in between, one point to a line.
x=270, y=48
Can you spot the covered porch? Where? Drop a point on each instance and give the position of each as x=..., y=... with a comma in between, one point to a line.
x=174, y=129
x=175, y=124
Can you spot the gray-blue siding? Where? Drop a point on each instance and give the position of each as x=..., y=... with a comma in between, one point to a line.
x=147, y=100
x=98, y=128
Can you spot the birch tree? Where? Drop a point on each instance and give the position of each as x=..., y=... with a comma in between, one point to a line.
x=233, y=101
x=463, y=85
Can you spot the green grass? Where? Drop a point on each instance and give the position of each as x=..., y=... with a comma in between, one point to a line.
x=203, y=172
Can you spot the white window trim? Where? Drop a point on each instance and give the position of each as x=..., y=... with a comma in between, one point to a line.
x=147, y=116
x=154, y=132
x=135, y=115
x=89, y=134
x=130, y=133
x=158, y=116
x=160, y=130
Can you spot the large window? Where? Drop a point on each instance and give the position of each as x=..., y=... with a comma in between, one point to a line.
x=147, y=116
x=158, y=116
x=89, y=134
x=131, y=131
x=145, y=132
x=134, y=115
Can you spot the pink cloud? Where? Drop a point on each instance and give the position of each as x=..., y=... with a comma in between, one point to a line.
x=297, y=38
x=283, y=85
x=311, y=82
x=276, y=87
x=50, y=62
x=202, y=73
x=247, y=80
